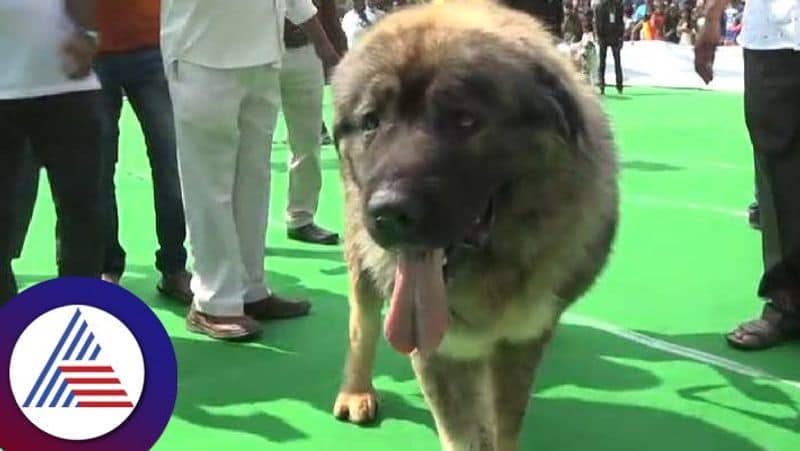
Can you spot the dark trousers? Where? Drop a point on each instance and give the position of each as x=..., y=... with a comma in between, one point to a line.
x=25, y=199
x=62, y=133
x=772, y=112
x=140, y=76
x=616, y=49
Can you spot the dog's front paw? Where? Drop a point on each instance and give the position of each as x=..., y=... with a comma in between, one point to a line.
x=357, y=407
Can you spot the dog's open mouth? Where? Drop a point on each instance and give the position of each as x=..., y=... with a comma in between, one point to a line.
x=418, y=310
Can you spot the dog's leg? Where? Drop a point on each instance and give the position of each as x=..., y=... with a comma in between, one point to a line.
x=357, y=400
x=459, y=394
x=512, y=370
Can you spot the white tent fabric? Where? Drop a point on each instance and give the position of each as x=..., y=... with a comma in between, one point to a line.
x=668, y=65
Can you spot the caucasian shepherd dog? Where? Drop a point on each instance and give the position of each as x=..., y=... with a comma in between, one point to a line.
x=480, y=179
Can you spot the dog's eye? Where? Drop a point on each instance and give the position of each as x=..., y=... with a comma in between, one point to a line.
x=461, y=122
x=466, y=120
x=370, y=122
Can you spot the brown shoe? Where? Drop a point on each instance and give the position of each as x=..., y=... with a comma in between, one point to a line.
x=276, y=307
x=111, y=278
x=176, y=286
x=775, y=326
x=233, y=328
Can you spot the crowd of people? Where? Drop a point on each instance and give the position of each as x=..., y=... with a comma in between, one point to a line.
x=675, y=21
x=207, y=81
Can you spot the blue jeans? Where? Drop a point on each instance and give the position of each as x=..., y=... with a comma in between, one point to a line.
x=139, y=75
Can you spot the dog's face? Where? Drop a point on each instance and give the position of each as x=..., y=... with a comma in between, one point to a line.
x=436, y=120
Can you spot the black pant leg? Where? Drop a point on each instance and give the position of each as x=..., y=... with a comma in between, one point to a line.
x=67, y=136
x=772, y=111
x=601, y=67
x=13, y=142
x=616, y=51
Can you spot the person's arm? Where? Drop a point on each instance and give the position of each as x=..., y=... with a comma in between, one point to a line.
x=619, y=25
x=708, y=38
x=78, y=48
x=332, y=25
x=81, y=12
x=597, y=25
x=303, y=13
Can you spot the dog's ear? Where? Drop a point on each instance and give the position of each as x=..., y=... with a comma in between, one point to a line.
x=549, y=100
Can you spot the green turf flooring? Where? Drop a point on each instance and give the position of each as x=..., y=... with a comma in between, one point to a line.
x=684, y=271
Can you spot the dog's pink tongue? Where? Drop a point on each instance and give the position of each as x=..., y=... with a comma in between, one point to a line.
x=417, y=315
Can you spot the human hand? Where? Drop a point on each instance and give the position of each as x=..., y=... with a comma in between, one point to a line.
x=704, y=49
x=78, y=52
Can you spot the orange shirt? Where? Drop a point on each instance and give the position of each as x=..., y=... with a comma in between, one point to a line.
x=127, y=24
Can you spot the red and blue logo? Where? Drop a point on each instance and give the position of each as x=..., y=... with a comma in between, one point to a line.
x=89, y=367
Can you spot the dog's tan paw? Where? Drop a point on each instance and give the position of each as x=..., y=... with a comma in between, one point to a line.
x=358, y=408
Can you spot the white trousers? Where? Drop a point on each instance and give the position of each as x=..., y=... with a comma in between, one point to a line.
x=302, y=82
x=224, y=121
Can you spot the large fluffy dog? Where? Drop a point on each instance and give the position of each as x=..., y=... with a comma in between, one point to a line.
x=481, y=199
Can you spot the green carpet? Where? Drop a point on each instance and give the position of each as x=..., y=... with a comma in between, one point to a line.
x=684, y=271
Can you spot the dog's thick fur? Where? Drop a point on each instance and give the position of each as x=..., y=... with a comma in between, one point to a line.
x=461, y=104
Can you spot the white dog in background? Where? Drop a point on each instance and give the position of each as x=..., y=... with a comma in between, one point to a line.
x=584, y=55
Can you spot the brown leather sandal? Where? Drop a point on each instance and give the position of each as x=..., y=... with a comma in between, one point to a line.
x=773, y=328
x=231, y=328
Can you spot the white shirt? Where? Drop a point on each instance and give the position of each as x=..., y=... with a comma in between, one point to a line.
x=771, y=25
x=228, y=34
x=31, y=35
x=354, y=27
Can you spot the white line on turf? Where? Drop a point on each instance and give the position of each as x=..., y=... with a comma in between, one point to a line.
x=660, y=202
x=672, y=348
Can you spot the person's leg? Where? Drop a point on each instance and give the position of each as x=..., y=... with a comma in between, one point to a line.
x=616, y=51
x=601, y=67
x=251, y=189
x=66, y=135
x=24, y=198
x=12, y=145
x=772, y=111
x=110, y=73
x=206, y=105
x=148, y=94
x=257, y=120
x=301, y=82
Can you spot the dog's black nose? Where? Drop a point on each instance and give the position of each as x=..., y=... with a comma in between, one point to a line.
x=395, y=216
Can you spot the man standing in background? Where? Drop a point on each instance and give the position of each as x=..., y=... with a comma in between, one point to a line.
x=302, y=82
x=609, y=27
x=223, y=66
x=129, y=63
x=48, y=106
x=771, y=41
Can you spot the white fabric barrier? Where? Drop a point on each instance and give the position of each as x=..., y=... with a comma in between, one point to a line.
x=668, y=65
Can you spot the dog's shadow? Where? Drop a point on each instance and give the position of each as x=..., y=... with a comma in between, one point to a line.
x=302, y=362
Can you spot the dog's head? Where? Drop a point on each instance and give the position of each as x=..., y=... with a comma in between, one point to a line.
x=439, y=110
x=455, y=124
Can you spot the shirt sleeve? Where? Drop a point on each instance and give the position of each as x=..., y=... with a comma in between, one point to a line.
x=300, y=11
